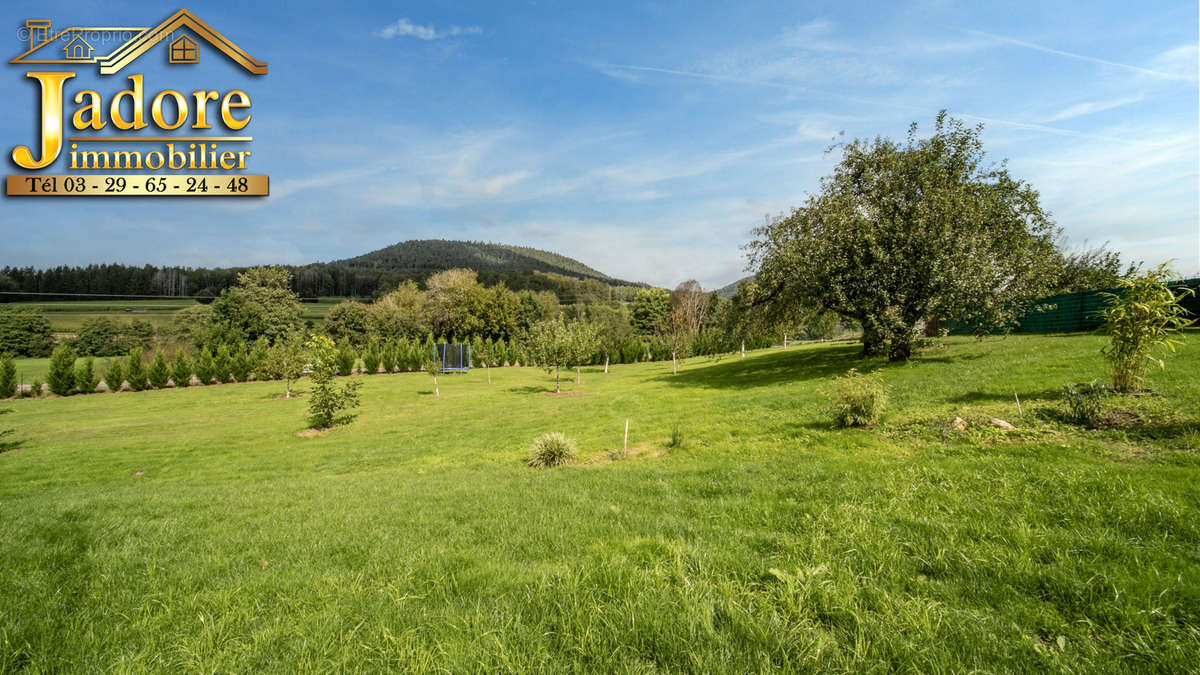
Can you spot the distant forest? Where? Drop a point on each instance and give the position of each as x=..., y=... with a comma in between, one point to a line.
x=365, y=276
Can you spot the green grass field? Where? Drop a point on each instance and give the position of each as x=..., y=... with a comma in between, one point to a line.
x=196, y=530
x=67, y=317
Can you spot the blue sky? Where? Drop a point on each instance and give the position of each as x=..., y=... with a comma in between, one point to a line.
x=645, y=139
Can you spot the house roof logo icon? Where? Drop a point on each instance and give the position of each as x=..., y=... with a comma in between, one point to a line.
x=130, y=43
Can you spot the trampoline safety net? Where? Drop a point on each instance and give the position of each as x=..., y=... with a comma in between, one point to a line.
x=453, y=356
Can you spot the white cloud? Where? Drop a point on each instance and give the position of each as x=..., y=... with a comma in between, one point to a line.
x=1080, y=57
x=406, y=28
x=1088, y=108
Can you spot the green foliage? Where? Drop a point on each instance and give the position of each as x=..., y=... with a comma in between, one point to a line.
x=551, y=345
x=240, y=365
x=114, y=375
x=261, y=305
x=135, y=371
x=857, y=400
x=345, y=358
x=61, y=376
x=677, y=440
x=1142, y=317
x=286, y=360
x=24, y=331
x=181, y=370
x=371, y=360
x=388, y=357
x=552, y=449
x=8, y=377
x=222, y=364
x=900, y=233
x=159, y=372
x=1084, y=402
x=327, y=403
x=205, y=367
x=348, y=321
x=650, y=308
x=36, y=388
x=86, y=379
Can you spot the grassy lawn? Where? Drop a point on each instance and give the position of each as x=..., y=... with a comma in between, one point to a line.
x=67, y=317
x=196, y=530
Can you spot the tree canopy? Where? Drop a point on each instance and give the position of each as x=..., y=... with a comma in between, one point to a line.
x=901, y=232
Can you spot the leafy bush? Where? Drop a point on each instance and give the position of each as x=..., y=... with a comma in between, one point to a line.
x=159, y=373
x=86, y=379
x=35, y=389
x=1142, y=316
x=552, y=449
x=135, y=371
x=114, y=376
x=8, y=377
x=857, y=400
x=25, y=331
x=344, y=359
x=1084, y=402
x=181, y=370
x=325, y=400
x=371, y=360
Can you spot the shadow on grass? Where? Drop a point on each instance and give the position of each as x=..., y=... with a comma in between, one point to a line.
x=769, y=369
x=992, y=396
x=529, y=389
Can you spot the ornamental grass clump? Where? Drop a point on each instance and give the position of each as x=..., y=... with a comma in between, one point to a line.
x=552, y=449
x=1142, y=317
x=1084, y=403
x=857, y=400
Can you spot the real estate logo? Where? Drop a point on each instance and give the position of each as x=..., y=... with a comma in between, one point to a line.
x=108, y=140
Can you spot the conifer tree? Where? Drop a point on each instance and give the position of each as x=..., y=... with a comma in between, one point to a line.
x=114, y=375
x=8, y=377
x=61, y=375
x=181, y=370
x=86, y=379
x=135, y=371
x=222, y=364
x=159, y=373
x=205, y=367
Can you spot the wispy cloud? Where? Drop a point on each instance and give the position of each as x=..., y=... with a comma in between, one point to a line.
x=406, y=28
x=1073, y=55
x=1088, y=108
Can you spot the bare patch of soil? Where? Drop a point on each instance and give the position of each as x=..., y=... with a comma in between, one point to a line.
x=642, y=451
x=310, y=433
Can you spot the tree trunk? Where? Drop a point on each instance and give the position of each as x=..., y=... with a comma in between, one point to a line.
x=578, y=375
x=436, y=392
x=489, y=372
x=785, y=340
x=743, y=349
x=674, y=364
x=287, y=389
x=606, y=364
x=899, y=350
x=556, y=389
x=872, y=341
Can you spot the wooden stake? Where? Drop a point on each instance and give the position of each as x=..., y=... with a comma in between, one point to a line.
x=1018, y=404
x=625, y=446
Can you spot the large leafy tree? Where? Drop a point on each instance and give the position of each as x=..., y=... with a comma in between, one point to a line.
x=905, y=231
x=261, y=305
x=650, y=308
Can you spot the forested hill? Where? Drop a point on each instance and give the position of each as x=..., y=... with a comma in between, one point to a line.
x=426, y=256
x=728, y=291
x=367, y=275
